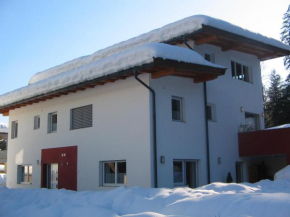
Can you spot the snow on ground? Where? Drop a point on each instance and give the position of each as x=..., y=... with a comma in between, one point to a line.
x=182, y=27
x=2, y=179
x=263, y=199
x=279, y=127
x=125, y=60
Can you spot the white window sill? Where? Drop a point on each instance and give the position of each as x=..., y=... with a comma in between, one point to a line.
x=25, y=183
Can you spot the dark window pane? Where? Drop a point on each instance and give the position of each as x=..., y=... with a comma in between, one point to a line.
x=177, y=172
x=246, y=74
x=233, y=70
x=239, y=71
x=176, y=109
x=207, y=57
x=109, y=172
x=209, y=113
x=121, y=173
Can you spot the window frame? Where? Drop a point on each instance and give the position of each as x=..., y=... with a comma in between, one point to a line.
x=184, y=161
x=71, y=117
x=243, y=67
x=181, y=100
x=14, y=129
x=20, y=174
x=50, y=126
x=116, y=184
x=36, y=124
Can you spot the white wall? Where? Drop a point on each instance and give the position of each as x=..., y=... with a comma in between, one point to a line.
x=121, y=131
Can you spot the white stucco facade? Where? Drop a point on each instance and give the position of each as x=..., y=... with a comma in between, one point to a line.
x=122, y=126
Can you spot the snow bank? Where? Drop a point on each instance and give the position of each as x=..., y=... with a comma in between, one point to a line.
x=279, y=127
x=179, y=28
x=106, y=66
x=283, y=174
x=2, y=179
x=262, y=199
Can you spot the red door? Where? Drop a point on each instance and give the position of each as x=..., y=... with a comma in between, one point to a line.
x=66, y=158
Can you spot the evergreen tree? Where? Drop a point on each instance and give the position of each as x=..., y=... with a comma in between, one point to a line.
x=274, y=102
x=285, y=35
x=3, y=144
x=286, y=100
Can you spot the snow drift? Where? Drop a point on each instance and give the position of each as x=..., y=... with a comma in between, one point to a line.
x=262, y=199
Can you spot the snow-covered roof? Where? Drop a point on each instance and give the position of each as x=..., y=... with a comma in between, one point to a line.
x=165, y=33
x=279, y=127
x=124, y=60
x=3, y=127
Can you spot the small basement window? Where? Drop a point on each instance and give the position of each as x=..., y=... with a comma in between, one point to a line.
x=24, y=174
x=82, y=117
x=240, y=72
x=52, y=122
x=177, y=108
x=36, y=122
x=14, y=130
x=114, y=173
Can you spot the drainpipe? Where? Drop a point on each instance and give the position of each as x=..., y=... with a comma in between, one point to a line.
x=206, y=120
x=206, y=132
x=154, y=127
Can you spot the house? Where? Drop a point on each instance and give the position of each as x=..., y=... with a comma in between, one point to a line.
x=163, y=109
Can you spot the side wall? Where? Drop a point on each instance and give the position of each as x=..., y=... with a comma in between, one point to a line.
x=121, y=131
x=186, y=140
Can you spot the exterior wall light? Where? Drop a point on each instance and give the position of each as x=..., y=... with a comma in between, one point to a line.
x=162, y=159
x=219, y=160
x=38, y=162
x=242, y=109
x=263, y=114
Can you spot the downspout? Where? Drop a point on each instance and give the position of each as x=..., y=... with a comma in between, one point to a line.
x=206, y=132
x=206, y=121
x=154, y=126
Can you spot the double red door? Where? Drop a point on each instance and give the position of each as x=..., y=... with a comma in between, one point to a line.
x=66, y=159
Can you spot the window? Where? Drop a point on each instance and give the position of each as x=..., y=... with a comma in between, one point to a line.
x=240, y=71
x=252, y=121
x=24, y=174
x=14, y=130
x=36, y=122
x=114, y=173
x=209, y=57
x=177, y=109
x=239, y=172
x=185, y=173
x=52, y=122
x=211, y=112
x=82, y=117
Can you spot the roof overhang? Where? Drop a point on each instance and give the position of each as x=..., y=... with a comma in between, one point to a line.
x=158, y=68
x=230, y=41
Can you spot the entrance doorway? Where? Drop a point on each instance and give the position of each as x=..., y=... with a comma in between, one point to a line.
x=52, y=176
x=59, y=168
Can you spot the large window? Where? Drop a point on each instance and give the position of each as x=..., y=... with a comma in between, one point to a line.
x=185, y=173
x=52, y=122
x=240, y=72
x=24, y=174
x=36, y=122
x=82, y=117
x=114, y=173
x=177, y=108
x=14, y=130
x=252, y=121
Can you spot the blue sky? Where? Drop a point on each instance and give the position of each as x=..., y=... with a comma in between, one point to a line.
x=37, y=34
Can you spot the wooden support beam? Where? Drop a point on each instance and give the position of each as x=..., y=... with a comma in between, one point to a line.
x=206, y=40
x=200, y=79
x=163, y=73
x=231, y=47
